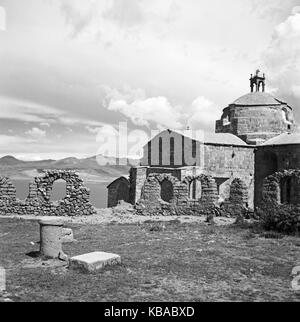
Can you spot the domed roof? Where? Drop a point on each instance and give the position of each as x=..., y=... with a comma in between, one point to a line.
x=284, y=139
x=257, y=99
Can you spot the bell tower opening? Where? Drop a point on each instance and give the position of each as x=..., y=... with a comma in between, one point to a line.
x=258, y=82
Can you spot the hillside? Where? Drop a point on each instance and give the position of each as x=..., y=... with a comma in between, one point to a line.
x=88, y=168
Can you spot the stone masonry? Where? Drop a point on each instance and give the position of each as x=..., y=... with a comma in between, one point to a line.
x=76, y=202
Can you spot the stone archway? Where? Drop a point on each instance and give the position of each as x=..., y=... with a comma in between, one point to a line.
x=160, y=187
x=282, y=188
x=76, y=202
x=208, y=193
x=166, y=190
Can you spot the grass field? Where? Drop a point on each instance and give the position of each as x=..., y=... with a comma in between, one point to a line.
x=183, y=262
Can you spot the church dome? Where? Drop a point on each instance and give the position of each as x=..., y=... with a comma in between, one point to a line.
x=257, y=99
x=257, y=116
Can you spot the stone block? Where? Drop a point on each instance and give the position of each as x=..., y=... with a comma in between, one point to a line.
x=93, y=262
x=67, y=235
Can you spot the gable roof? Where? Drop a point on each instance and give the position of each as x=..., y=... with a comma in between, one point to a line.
x=208, y=137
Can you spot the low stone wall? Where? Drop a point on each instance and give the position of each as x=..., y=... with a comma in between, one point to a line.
x=151, y=202
x=38, y=202
x=272, y=187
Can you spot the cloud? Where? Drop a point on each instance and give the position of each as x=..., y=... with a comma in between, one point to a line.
x=78, y=14
x=143, y=111
x=282, y=58
x=26, y=111
x=203, y=113
x=2, y=19
x=273, y=9
x=7, y=140
x=36, y=133
x=125, y=13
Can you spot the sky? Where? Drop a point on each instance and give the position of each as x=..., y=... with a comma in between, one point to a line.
x=72, y=70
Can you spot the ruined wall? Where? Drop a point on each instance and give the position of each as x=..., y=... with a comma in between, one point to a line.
x=237, y=202
x=180, y=203
x=223, y=162
x=271, y=159
x=275, y=190
x=38, y=202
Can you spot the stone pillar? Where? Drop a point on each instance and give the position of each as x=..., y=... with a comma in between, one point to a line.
x=51, y=237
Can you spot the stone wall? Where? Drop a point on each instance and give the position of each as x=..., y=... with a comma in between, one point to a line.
x=76, y=202
x=275, y=190
x=237, y=202
x=272, y=159
x=180, y=203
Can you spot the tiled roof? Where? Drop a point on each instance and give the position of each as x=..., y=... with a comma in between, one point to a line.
x=257, y=99
x=284, y=139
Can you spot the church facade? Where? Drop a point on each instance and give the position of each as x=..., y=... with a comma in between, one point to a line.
x=193, y=172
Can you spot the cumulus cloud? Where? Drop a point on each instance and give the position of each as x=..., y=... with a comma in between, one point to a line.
x=158, y=111
x=36, y=133
x=282, y=58
x=203, y=113
x=143, y=111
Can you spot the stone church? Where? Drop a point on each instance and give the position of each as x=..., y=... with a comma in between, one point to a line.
x=253, y=154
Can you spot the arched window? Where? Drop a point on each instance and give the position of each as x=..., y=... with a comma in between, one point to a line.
x=195, y=189
x=58, y=191
x=166, y=192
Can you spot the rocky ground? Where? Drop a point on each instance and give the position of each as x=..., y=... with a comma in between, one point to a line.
x=124, y=214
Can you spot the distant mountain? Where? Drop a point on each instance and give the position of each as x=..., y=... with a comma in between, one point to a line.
x=103, y=168
x=67, y=161
x=10, y=160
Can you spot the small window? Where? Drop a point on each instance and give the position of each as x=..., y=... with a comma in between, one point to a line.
x=194, y=149
x=195, y=190
x=172, y=147
x=160, y=151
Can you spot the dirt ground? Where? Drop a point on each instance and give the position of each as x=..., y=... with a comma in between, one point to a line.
x=172, y=260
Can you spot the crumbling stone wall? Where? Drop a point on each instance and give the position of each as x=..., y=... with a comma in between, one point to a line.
x=237, y=203
x=273, y=185
x=38, y=202
x=151, y=202
x=7, y=192
x=272, y=159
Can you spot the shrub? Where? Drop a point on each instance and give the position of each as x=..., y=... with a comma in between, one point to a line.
x=280, y=218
